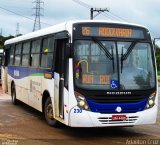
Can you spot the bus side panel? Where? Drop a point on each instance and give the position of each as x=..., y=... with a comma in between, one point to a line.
x=55, y=101
x=56, y=94
x=4, y=72
x=19, y=77
x=48, y=85
x=66, y=106
x=35, y=88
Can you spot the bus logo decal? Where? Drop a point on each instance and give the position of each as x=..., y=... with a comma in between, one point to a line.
x=119, y=109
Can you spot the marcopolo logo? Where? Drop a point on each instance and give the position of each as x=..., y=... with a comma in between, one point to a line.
x=119, y=109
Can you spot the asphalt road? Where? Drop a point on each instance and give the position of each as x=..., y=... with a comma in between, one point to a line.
x=22, y=125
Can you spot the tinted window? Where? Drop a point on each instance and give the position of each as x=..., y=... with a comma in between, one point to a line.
x=26, y=48
x=18, y=49
x=11, y=55
x=35, y=53
x=0, y=60
x=25, y=54
x=18, y=54
x=36, y=46
x=47, y=52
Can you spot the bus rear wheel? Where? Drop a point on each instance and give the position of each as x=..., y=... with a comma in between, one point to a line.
x=13, y=95
x=48, y=113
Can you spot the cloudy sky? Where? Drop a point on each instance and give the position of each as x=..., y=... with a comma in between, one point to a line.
x=144, y=12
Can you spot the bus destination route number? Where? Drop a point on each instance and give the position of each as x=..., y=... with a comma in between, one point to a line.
x=107, y=32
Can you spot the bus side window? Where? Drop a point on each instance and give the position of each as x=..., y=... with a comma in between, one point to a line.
x=25, y=54
x=0, y=60
x=11, y=55
x=5, y=56
x=47, y=52
x=35, y=53
x=18, y=54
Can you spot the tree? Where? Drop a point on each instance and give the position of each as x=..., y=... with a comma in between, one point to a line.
x=3, y=39
x=158, y=57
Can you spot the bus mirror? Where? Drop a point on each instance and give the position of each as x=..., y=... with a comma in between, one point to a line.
x=68, y=50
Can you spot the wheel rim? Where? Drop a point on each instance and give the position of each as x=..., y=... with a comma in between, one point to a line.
x=50, y=111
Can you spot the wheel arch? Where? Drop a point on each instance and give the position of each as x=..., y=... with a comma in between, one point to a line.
x=45, y=95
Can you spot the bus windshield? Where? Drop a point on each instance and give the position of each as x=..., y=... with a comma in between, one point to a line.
x=129, y=67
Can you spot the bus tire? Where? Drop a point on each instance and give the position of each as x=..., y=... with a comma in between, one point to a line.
x=13, y=95
x=48, y=113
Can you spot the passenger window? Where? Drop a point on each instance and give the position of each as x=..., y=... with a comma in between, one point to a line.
x=1, y=60
x=17, y=55
x=25, y=54
x=47, y=52
x=35, y=53
x=11, y=55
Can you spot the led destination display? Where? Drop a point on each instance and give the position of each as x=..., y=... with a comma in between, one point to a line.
x=112, y=32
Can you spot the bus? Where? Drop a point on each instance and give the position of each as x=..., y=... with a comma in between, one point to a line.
x=89, y=73
x=1, y=58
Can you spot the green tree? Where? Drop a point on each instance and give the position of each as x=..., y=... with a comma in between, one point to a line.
x=3, y=39
x=158, y=57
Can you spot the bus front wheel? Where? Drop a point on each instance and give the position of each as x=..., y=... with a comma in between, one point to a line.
x=48, y=113
x=13, y=95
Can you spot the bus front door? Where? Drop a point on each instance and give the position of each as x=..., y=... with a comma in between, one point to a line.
x=59, y=79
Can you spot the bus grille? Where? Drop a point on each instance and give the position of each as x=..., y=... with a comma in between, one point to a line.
x=116, y=99
x=108, y=120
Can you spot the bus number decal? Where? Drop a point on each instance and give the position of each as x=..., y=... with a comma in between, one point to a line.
x=77, y=110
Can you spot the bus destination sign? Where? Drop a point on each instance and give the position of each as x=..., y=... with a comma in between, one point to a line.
x=112, y=32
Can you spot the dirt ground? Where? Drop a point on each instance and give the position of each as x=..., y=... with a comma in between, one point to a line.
x=22, y=125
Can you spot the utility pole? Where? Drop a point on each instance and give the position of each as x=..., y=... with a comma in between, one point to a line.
x=37, y=14
x=17, y=29
x=98, y=11
x=92, y=10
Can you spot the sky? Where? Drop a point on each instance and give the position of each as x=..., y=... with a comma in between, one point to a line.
x=143, y=12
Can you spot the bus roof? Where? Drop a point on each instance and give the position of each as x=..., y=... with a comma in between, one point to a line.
x=65, y=26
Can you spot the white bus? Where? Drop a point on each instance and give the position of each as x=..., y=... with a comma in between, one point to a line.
x=85, y=73
x=1, y=58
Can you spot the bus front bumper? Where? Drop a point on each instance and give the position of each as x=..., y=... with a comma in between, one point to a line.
x=90, y=119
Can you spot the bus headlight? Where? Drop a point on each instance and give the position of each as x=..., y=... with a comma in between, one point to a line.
x=151, y=101
x=82, y=103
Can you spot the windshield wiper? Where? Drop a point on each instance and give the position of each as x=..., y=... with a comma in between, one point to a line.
x=107, y=53
x=125, y=56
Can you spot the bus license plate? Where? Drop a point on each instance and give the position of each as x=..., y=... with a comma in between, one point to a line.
x=119, y=117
